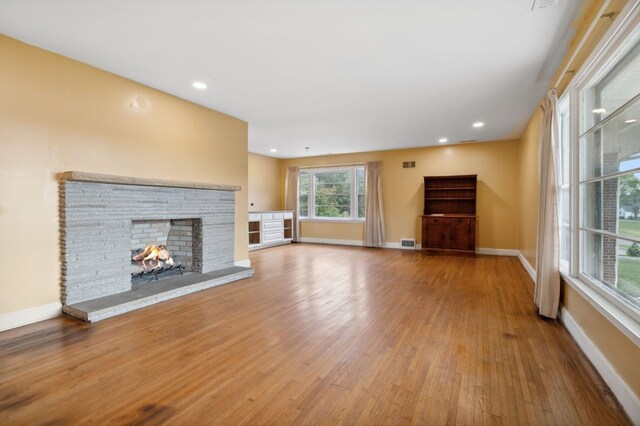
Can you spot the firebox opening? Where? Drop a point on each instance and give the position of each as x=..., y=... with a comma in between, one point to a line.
x=161, y=249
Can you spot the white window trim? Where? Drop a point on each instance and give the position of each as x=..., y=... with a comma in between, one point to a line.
x=312, y=196
x=331, y=220
x=624, y=316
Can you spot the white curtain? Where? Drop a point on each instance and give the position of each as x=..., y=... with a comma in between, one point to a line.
x=291, y=198
x=374, y=216
x=547, y=291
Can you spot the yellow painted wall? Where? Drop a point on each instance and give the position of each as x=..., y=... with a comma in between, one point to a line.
x=528, y=187
x=57, y=114
x=265, y=192
x=495, y=163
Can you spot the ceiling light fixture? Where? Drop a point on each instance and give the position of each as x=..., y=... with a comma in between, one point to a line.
x=478, y=124
x=273, y=150
x=199, y=85
x=633, y=120
x=443, y=140
x=599, y=111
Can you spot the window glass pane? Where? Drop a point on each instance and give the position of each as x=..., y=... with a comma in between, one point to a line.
x=613, y=262
x=333, y=194
x=564, y=176
x=303, y=179
x=614, y=147
x=619, y=85
x=565, y=158
x=613, y=205
x=361, y=189
x=565, y=226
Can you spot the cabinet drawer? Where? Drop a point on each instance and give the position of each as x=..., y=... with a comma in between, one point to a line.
x=253, y=217
x=278, y=215
x=460, y=220
x=288, y=215
x=437, y=220
x=272, y=236
x=268, y=225
x=267, y=216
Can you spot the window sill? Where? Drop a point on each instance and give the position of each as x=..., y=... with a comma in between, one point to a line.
x=361, y=221
x=620, y=319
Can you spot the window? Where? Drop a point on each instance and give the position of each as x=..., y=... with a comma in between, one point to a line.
x=605, y=232
x=564, y=181
x=609, y=171
x=332, y=193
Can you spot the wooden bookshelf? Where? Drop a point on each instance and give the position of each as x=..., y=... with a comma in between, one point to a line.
x=449, y=217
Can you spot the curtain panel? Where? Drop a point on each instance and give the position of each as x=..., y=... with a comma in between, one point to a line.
x=374, y=215
x=291, y=198
x=547, y=290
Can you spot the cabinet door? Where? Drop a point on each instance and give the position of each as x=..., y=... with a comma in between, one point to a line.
x=462, y=233
x=435, y=233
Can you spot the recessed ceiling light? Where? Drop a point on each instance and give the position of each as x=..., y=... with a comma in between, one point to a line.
x=478, y=124
x=199, y=85
x=599, y=111
x=633, y=120
x=443, y=140
x=273, y=150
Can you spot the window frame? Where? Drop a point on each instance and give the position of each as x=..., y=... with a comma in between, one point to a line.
x=619, y=311
x=311, y=194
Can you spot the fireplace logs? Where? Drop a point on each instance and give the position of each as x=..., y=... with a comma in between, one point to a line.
x=154, y=259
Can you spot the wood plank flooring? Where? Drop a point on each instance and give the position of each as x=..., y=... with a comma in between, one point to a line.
x=320, y=335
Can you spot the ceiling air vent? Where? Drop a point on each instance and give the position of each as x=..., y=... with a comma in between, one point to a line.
x=540, y=4
x=468, y=141
x=408, y=164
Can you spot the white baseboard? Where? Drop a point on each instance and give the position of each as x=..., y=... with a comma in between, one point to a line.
x=29, y=316
x=527, y=266
x=331, y=241
x=628, y=399
x=393, y=245
x=496, y=252
x=401, y=247
x=246, y=263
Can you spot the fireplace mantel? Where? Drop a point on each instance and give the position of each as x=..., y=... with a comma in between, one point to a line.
x=97, y=215
x=128, y=180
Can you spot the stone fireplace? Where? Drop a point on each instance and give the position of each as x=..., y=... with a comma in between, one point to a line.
x=105, y=220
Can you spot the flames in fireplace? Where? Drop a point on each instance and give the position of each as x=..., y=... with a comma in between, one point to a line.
x=154, y=256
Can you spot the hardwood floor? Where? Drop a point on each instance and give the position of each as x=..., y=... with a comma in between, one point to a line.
x=320, y=335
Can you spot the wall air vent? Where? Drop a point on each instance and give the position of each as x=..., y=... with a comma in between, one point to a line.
x=407, y=243
x=408, y=164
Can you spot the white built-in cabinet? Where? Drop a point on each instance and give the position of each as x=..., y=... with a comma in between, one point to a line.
x=270, y=228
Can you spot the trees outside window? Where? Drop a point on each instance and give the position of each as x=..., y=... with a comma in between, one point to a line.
x=332, y=193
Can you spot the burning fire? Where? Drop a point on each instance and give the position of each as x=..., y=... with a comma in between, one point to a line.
x=155, y=254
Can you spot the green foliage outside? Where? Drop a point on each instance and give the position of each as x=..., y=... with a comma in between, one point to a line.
x=629, y=228
x=633, y=250
x=629, y=276
x=630, y=192
x=629, y=266
x=332, y=193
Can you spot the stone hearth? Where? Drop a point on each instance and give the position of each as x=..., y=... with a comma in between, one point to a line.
x=97, y=215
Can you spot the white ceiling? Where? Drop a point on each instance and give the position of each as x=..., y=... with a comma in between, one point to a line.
x=336, y=75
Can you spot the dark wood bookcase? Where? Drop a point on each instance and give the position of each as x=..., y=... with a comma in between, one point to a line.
x=449, y=217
